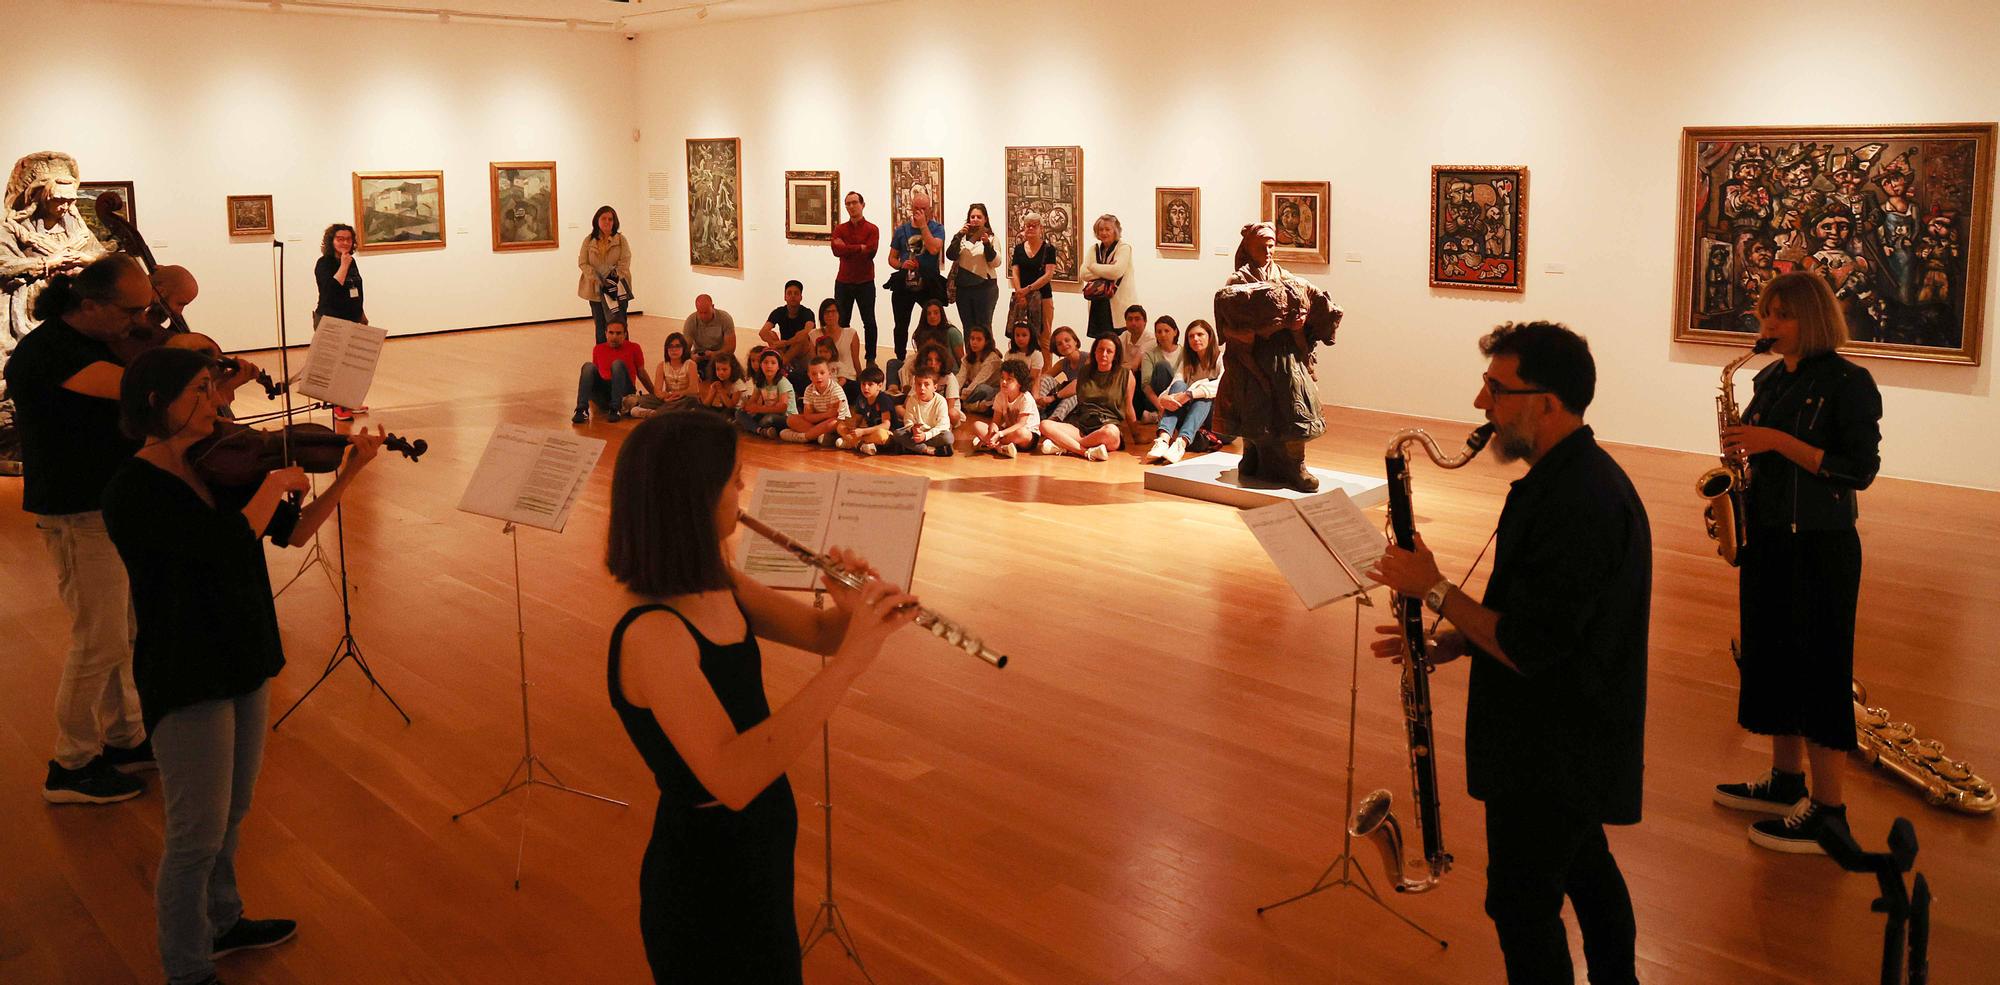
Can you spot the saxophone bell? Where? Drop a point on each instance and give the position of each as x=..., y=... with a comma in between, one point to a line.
x=1375, y=821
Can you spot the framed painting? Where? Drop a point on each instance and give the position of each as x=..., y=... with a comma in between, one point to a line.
x=909, y=175
x=1298, y=210
x=1177, y=220
x=1048, y=182
x=1895, y=218
x=524, y=204
x=399, y=210
x=715, y=202
x=250, y=215
x=121, y=202
x=1479, y=226
x=812, y=205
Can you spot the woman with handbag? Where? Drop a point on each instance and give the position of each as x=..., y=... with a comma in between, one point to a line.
x=1030, y=269
x=604, y=257
x=1107, y=277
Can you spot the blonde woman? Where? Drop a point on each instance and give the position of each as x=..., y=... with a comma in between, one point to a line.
x=1107, y=278
x=1030, y=268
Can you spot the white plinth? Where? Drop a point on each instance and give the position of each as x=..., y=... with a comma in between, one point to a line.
x=1213, y=477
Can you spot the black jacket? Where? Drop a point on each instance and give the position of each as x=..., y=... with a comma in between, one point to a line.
x=1833, y=405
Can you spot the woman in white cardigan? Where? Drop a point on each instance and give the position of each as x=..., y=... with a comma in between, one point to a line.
x=1107, y=278
x=604, y=255
x=1186, y=405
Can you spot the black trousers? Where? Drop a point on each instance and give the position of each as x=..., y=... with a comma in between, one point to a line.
x=902, y=302
x=847, y=296
x=1538, y=853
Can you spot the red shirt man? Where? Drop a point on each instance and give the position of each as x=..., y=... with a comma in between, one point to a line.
x=855, y=242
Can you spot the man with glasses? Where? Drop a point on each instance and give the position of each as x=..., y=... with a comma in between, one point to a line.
x=65, y=382
x=1556, y=706
x=914, y=276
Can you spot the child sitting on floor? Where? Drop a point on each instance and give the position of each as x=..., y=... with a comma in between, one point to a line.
x=926, y=426
x=1016, y=424
x=679, y=383
x=770, y=400
x=822, y=407
x=724, y=393
x=873, y=416
x=978, y=376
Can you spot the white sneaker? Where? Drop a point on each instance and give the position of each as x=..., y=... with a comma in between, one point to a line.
x=1049, y=447
x=868, y=448
x=792, y=436
x=843, y=442
x=1007, y=450
x=1175, y=451
x=641, y=412
x=1096, y=453
x=1159, y=450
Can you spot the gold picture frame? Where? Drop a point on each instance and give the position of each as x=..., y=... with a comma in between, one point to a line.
x=1177, y=220
x=251, y=215
x=396, y=211
x=523, y=199
x=812, y=205
x=1299, y=211
x=1479, y=227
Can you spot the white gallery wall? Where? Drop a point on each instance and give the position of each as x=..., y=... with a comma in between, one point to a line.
x=193, y=105
x=1591, y=97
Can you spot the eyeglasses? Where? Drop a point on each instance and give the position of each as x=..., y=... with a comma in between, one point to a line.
x=1496, y=388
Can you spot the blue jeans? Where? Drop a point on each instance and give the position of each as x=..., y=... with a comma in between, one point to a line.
x=982, y=394
x=976, y=302
x=601, y=317
x=1192, y=416
x=209, y=755
x=1163, y=374
x=611, y=393
x=752, y=422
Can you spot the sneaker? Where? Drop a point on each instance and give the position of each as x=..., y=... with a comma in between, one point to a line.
x=250, y=935
x=1159, y=450
x=1175, y=451
x=342, y=414
x=843, y=442
x=95, y=783
x=580, y=417
x=868, y=448
x=1775, y=792
x=1096, y=453
x=1007, y=450
x=792, y=436
x=1801, y=831
x=1049, y=448
x=771, y=433
x=612, y=416
x=829, y=440
x=926, y=450
x=136, y=759
x=640, y=413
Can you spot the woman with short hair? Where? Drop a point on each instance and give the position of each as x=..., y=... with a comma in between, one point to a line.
x=1107, y=278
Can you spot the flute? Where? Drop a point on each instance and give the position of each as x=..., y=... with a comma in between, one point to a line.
x=939, y=626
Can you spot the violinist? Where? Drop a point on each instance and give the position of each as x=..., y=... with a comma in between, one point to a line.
x=207, y=643
x=177, y=289
x=64, y=379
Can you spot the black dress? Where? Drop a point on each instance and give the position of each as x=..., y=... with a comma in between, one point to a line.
x=1800, y=574
x=715, y=888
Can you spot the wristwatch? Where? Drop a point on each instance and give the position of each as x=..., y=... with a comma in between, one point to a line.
x=1434, y=599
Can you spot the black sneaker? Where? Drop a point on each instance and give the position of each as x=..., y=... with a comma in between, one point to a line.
x=136, y=759
x=95, y=783
x=249, y=935
x=580, y=417
x=1800, y=831
x=1776, y=792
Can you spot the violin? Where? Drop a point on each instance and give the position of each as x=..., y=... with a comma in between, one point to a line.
x=240, y=456
x=226, y=365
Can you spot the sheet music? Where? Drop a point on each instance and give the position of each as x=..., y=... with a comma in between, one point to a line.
x=881, y=518
x=1313, y=572
x=795, y=504
x=1346, y=531
x=340, y=363
x=531, y=475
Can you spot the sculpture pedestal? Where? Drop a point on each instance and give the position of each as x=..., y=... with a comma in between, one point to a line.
x=1214, y=478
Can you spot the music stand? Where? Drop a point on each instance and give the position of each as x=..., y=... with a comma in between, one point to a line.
x=835, y=925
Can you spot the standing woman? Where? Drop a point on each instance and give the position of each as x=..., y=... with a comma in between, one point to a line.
x=1107, y=278
x=975, y=269
x=1813, y=438
x=605, y=255
x=1030, y=268
x=338, y=275
x=207, y=641
x=716, y=885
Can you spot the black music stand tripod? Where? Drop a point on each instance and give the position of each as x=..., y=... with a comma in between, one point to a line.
x=827, y=920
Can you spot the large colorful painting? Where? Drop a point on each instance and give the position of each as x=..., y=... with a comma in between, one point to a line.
x=1894, y=217
x=1298, y=209
x=399, y=210
x=86, y=206
x=1048, y=182
x=523, y=194
x=1177, y=220
x=909, y=175
x=1479, y=227
x=715, y=203
x=812, y=205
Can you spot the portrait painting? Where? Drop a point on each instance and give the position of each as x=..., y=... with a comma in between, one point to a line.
x=87, y=195
x=1048, y=182
x=250, y=215
x=523, y=195
x=1177, y=220
x=1298, y=210
x=1479, y=227
x=1894, y=218
x=908, y=176
x=715, y=202
x=399, y=210
x=812, y=205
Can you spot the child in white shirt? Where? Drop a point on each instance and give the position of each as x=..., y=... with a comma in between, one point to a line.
x=1016, y=424
x=927, y=420
x=822, y=406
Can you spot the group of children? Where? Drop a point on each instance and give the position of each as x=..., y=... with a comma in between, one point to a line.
x=1045, y=393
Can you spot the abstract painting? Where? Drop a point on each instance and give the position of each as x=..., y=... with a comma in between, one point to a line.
x=812, y=204
x=909, y=175
x=399, y=210
x=1298, y=210
x=715, y=202
x=1177, y=220
x=1479, y=227
x=524, y=204
x=1048, y=182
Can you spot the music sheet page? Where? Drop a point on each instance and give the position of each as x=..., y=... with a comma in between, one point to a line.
x=531, y=475
x=340, y=364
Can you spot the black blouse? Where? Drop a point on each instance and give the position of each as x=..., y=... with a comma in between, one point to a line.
x=1032, y=267
x=338, y=300
x=1833, y=405
x=200, y=592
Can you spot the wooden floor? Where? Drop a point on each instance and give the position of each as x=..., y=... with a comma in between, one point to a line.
x=1164, y=754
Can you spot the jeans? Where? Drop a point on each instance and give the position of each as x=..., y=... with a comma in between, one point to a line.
x=598, y=315
x=209, y=754
x=1163, y=375
x=611, y=393
x=1537, y=853
x=754, y=422
x=981, y=394
x=847, y=296
x=976, y=302
x=96, y=703
x=1192, y=416
x=904, y=443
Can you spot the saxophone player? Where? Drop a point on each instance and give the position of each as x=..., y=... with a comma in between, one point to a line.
x=1556, y=705
x=1812, y=437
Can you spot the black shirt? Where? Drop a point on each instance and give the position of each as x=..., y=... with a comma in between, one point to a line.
x=1572, y=582
x=1031, y=268
x=789, y=324
x=1833, y=405
x=338, y=300
x=70, y=443
x=735, y=671
x=200, y=592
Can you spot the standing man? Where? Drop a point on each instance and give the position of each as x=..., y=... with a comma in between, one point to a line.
x=1556, y=708
x=855, y=242
x=65, y=384
x=914, y=250
x=710, y=331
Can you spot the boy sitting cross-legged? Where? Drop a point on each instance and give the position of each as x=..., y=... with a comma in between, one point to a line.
x=822, y=406
x=874, y=415
x=926, y=426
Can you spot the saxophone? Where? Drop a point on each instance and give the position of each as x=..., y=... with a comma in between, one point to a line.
x=1373, y=819
x=1723, y=487
x=1894, y=746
